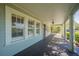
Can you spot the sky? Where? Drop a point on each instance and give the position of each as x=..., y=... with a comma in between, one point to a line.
x=76, y=17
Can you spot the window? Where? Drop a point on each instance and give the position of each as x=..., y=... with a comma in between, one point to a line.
x=31, y=27
x=38, y=28
x=17, y=25
x=13, y=20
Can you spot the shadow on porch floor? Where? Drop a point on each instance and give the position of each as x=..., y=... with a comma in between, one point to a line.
x=53, y=45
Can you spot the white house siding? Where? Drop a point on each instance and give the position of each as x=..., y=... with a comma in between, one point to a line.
x=10, y=47
x=2, y=25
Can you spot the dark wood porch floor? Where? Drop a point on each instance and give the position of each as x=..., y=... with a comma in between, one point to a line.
x=53, y=45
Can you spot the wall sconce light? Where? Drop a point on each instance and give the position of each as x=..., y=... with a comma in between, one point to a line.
x=52, y=21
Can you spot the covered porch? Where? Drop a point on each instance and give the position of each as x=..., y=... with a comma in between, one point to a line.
x=38, y=40
x=55, y=14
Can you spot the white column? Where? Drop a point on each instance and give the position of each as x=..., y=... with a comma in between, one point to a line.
x=64, y=31
x=71, y=33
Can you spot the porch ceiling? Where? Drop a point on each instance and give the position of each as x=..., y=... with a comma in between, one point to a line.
x=47, y=11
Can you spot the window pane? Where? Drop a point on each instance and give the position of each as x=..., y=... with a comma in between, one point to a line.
x=22, y=20
x=37, y=31
x=37, y=25
x=18, y=19
x=14, y=30
x=30, y=32
x=32, y=22
x=13, y=20
x=38, y=28
x=20, y=32
x=17, y=32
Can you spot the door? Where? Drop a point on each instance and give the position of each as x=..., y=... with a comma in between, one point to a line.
x=44, y=30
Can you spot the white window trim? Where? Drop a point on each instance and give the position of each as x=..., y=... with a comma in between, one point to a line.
x=18, y=26
x=8, y=12
x=38, y=28
x=31, y=28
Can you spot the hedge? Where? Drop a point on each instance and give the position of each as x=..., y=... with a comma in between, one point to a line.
x=76, y=36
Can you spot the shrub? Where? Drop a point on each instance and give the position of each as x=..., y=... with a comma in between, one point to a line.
x=68, y=35
x=76, y=36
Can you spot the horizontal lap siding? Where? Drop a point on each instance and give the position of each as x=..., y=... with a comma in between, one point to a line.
x=13, y=49
x=2, y=25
